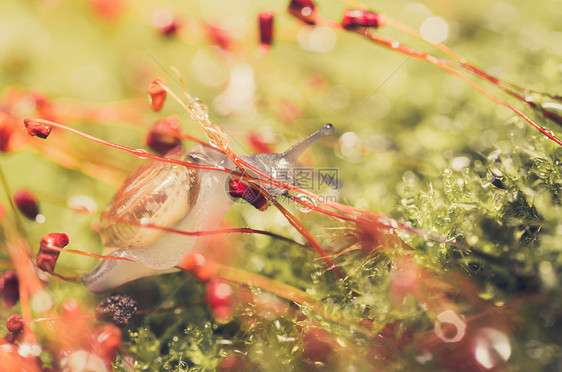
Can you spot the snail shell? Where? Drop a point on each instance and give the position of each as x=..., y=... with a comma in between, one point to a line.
x=178, y=197
x=155, y=191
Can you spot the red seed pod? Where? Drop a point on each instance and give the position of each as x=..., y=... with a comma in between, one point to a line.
x=156, y=94
x=240, y=189
x=220, y=299
x=355, y=18
x=105, y=341
x=164, y=135
x=37, y=128
x=6, y=133
x=258, y=144
x=305, y=10
x=47, y=256
x=15, y=323
x=26, y=203
x=265, y=21
x=165, y=22
x=219, y=37
x=9, y=289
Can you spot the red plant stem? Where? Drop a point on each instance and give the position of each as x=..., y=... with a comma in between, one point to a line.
x=306, y=234
x=464, y=64
x=63, y=159
x=394, y=45
x=240, y=230
x=138, y=153
x=91, y=254
x=57, y=318
x=91, y=159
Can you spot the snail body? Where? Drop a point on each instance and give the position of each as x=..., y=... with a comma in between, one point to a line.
x=178, y=197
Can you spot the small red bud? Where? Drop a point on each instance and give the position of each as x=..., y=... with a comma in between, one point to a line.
x=240, y=189
x=47, y=256
x=71, y=309
x=156, y=94
x=265, y=21
x=220, y=299
x=35, y=127
x=105, y=341
x=26, y=203
x=9, y=288
x=108, y=9
x=219, y=37
x=305, y=10
x=199, y=265
x=164, y=135
x=258, y=144
x=355, y=18
x=5, y=136
x=15, y=323
x=165, y=22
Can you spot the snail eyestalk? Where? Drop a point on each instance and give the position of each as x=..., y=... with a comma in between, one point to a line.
x=292, y=154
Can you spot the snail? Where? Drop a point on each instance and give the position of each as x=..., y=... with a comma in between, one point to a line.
x=178, y=197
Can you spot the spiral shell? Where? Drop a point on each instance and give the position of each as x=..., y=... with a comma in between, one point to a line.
x=156, y=192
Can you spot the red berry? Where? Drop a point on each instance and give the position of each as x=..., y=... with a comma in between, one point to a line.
x=37, y=128
x=157, y=94
x=164, y=135
x=26, y=203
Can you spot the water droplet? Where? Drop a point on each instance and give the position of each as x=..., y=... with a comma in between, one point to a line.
x=40, y=218
x=305, y=199
x=82, y=204
x=492, y=347
x=200, y=110
x=141, y=153
x=214, y=144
